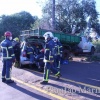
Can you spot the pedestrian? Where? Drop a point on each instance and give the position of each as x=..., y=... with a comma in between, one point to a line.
x=58, y=54
x=8, y=57
x=17, y=50
x=49, y=57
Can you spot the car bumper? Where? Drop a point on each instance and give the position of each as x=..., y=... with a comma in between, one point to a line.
x=25, y=61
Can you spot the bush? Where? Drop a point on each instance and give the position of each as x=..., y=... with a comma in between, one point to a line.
x=97, y=46
x=93, y=58
x=2, y=38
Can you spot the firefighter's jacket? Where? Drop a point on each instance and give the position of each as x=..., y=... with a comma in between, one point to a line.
x=30, y=50
x=7, y=49
x=17, y=50
x=59, y=48
x=49, y=51
x=16, y=47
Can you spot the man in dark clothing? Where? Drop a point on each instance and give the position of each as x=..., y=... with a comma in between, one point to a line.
x=58, y=54
x=8, y=57
x=49, y=58
x=16, y=47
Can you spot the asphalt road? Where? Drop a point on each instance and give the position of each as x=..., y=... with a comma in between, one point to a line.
x=18, y=91
x=86, y=72
x=79, y=81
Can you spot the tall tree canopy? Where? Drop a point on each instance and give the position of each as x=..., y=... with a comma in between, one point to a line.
x=16, y=22
x=71, y=14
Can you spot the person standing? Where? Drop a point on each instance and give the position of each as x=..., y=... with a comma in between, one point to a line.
x=8, y=57
x=16, y=47
x=30, y=52
x=58, y=54
x=49, y=58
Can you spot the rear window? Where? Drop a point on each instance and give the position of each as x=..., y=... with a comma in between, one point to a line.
x=35, y=39
x=23, y=37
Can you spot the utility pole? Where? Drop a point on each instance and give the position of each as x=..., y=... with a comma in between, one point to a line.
x=53, y=15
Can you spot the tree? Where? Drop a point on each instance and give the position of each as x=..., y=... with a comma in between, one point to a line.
x=16, y=22
x=71, y=13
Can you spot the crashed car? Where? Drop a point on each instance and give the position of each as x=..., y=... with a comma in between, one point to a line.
x=38, y=44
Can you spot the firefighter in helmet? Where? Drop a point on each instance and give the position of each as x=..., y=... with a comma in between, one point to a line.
x=58, y=54
x=8, y=57
x=49, y=57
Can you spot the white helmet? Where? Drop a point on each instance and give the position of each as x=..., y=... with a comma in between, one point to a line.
x=48, y=35
x=55, y=39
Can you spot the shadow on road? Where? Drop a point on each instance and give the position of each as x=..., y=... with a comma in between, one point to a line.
x=34, y=95
x=82, y=91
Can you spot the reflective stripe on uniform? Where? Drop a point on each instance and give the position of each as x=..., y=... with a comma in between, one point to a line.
x=6, y=51
x=31, y=48
x=47, y=49
x=29, y=52
x=57, y=73
x=10, y=47
x=58, y=65
x=8, y=78
x=51, y=56
x=59, y=50
x=13, y=55
x=60, y=47
x=41, y=58
x=47, y=72
x=3, y=76
x=48, y=60
x=7, y=57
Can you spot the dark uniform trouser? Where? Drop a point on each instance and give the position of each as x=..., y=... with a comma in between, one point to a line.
x=57, y=61
x=47, y=69
x=6, y=71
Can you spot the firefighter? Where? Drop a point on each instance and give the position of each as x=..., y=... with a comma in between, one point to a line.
x=30, y=52
x=39, y=59
x=8, y=57
x=16, y=47
x=58, y=55
x=49, y=58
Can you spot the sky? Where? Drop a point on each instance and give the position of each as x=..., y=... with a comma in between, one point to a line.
x=8, y=7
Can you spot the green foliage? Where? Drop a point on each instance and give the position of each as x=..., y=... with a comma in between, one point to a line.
x=36, y=24
x=97, y=46
x=93, y=58
x=2, y=38
x=16, y=23
x=71, y=12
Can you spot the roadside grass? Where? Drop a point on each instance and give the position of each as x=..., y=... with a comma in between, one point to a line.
x=97, y=46
x=96, y=56
x=93, y=58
